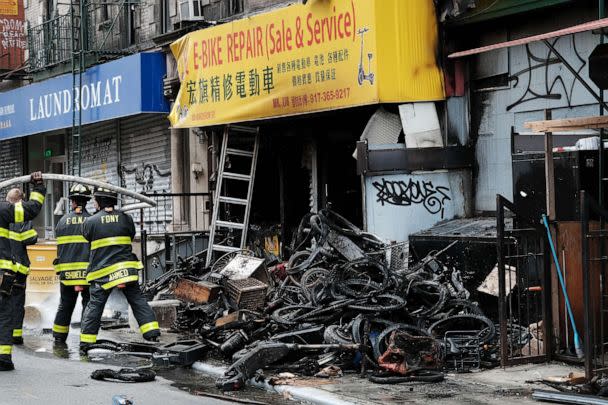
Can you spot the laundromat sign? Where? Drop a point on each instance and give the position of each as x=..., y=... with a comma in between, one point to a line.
x=127, y=86
x=322, y=55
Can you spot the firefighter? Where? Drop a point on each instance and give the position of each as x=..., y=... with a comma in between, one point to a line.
x=112, y=264
x=13, y=213
x=72, y=260
x=21, y=235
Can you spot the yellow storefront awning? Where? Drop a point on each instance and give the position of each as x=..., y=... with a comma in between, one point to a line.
x=324, y=55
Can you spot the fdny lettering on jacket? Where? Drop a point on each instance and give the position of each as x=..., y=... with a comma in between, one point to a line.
x=74, y=220
x=107, y=219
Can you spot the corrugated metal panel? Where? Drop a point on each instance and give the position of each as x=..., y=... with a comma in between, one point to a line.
x=99, y=158
x=406, y=35
x=11, y=160
x=146, y=164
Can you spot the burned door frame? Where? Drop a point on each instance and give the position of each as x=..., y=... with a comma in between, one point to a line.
x=519, y=244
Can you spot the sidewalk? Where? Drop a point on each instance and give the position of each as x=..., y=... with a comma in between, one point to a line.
x=67, y=378
x=496, y=387
x=51, y=381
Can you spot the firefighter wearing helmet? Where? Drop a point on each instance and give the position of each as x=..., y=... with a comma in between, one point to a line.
x=112, y=264
x=72, y=260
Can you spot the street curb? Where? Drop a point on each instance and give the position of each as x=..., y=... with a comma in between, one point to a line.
x=307, y=394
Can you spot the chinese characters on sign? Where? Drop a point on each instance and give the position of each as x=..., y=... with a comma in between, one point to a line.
x=301, y=58
x=9, y=7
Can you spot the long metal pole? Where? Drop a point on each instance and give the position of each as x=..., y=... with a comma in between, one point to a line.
x=601, y=179
x=588, y=336
x=502, y=315
x=76, y=179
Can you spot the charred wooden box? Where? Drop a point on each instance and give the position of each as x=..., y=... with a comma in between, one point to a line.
x=197, y=292
x=248, y=293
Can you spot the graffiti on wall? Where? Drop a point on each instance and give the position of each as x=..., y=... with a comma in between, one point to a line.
x=95, y=154
x=144, y=175
x=413, y=192
x=556, y=85
x=98, y=150
x=12, y=34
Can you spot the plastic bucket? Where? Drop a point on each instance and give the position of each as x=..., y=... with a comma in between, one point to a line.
x=42, y=283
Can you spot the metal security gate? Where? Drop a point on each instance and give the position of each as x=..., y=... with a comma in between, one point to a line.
x=145, y=165
x=99, y=152
x=524, y=283
x=11, y=160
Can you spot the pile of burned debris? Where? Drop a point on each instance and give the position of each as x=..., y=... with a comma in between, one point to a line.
x=345, y=301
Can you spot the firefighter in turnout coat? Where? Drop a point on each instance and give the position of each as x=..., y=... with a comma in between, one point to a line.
x=72, y=260
x=112, y=264
x=9, y=214
x=21, y=235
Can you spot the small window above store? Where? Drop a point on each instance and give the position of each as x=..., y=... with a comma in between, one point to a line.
x=462, y=12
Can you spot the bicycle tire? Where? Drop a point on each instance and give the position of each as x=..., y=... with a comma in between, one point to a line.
x=427, y=376
x=399, y=303
x=426, y=312
x=380, y=345
x=280, y=319
x=466, y=307
x=486, y=333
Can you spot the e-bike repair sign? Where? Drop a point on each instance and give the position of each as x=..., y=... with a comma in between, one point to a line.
x=326, y=54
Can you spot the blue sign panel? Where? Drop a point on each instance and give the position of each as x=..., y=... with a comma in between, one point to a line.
x=127, y=86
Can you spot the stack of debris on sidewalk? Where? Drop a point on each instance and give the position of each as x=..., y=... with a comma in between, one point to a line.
x=345, y=301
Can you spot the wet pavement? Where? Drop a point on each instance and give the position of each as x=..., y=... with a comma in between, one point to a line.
x=59, y=375
x=51, y=381
x=40, y=355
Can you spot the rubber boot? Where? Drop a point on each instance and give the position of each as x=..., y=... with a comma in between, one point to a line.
x=6, y=365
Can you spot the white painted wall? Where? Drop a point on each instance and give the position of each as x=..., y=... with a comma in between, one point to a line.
x=398, y=205
x=536, y=81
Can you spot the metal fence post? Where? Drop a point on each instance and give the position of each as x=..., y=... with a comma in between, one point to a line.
x=144, y=253
x=500, y=223
x=588, y=338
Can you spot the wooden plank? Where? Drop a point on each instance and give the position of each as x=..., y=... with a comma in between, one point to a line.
x=570, y=256
x=589, y=26
x=550, y=208
x=549, y=171
x=230, y=318
x=568, y=124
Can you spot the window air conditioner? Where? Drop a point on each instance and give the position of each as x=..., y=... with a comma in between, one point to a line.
x=191, y=10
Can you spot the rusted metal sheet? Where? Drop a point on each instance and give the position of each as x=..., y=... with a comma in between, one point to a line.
x=570, y=257
x=12, y=34
x=199, y=292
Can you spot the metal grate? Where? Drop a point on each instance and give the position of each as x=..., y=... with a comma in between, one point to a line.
x=109, y=32
x=49, y=43
x=524, y=295
x=248, y=293
x=394, y=256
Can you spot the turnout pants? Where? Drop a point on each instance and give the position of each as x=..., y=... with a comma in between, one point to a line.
x=67, y=303
x=91, y=319
x=6, y=326
x=18, y=302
